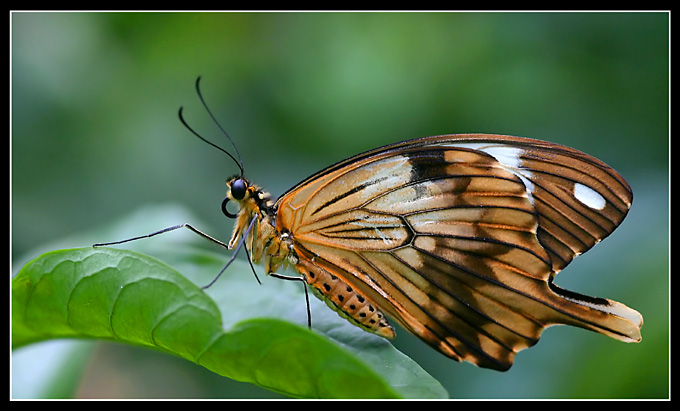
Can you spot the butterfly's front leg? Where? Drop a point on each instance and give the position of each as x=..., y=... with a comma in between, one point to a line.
x=242, y=222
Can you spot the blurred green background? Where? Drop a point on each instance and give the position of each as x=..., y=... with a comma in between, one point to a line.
x=95, y=136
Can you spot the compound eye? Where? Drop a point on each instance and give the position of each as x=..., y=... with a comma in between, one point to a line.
x=238, y=189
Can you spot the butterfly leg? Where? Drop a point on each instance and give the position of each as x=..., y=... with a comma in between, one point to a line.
x=199, y=232
x=165, y=230
x=233, y=257
x=304, y=282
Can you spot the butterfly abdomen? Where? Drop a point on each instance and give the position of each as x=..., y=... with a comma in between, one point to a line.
x=344, y=299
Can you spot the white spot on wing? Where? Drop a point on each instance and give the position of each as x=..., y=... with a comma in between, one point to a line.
x=589, y=197
x=508, y=156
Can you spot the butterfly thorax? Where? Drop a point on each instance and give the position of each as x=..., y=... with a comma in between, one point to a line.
x=263, y=241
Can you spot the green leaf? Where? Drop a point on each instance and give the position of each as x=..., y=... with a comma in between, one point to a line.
x=237, y=328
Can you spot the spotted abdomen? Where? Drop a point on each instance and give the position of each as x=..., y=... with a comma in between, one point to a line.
x=345, y=300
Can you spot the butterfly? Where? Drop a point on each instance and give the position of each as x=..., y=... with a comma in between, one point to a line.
x=456, y=238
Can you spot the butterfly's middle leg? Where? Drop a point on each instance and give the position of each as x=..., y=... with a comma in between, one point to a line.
x=202, y=234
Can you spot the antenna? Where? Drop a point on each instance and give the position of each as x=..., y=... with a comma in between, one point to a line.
x=238, y=161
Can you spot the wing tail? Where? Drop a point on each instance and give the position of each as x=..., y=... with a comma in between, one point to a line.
x=601, y=315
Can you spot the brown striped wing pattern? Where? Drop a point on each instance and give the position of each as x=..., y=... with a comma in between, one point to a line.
x=458, y=238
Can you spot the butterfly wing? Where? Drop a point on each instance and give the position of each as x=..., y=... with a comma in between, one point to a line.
x=458, y=238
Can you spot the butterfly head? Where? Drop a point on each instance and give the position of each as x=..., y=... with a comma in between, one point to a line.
x=238, y=192
x=248, y=196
